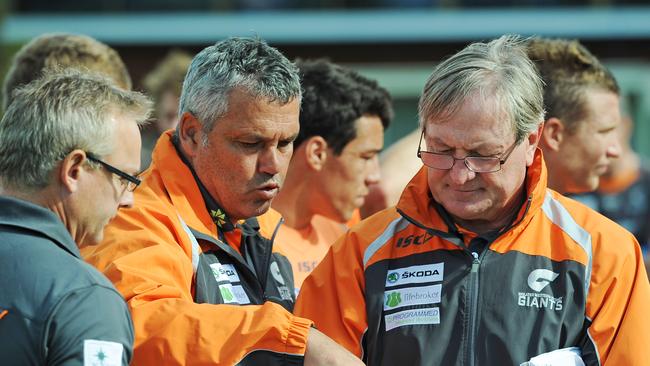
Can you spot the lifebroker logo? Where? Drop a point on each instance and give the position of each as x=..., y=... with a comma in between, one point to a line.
x=393, y=299
x=409, y=296
x=538, y=280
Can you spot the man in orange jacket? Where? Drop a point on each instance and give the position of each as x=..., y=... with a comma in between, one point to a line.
x=194, y=263
x=480, y=263
x=342, y=122
x=581, y=97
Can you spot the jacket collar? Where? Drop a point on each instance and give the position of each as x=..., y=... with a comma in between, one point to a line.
x=180, y=185
x=417, y=203
x=218, y=214
x=38, y=220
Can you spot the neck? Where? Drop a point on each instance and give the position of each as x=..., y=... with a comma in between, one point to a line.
x=505, y=218
x=557, y=184
x=45, y=198
x=294, y=201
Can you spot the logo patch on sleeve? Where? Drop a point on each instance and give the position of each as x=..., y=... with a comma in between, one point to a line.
x=412, y=317
x=538, y=280
x=224, y=272
x=234, y=294
x=415, y=274
x=275, y=272
x=394, y=299
x=102, y=353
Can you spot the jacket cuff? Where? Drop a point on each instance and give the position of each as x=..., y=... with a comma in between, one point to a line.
x=297, y=335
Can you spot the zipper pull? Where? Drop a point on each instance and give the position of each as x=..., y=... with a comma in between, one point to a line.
x=475, y=262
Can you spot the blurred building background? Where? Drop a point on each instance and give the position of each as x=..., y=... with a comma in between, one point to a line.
x=395, y=41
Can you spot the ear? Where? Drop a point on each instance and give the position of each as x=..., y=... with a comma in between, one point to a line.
x=553, y=134
x=315, y=152
x=71, y=170
x=534, y=140
x=190, y=134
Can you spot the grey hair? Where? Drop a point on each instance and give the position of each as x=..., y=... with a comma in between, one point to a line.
x=52, y=116
x=498, y=69
x=236, y=63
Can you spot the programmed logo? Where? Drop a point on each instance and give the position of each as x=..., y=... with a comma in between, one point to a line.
x=412, y=317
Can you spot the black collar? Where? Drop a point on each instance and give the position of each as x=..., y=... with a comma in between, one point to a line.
x=218, y=214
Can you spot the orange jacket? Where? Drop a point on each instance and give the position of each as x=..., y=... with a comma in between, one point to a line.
x=402, y=287
x=152, y=258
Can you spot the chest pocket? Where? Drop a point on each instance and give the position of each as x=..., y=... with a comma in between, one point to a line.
x=229, y=282
x=224, y=276
x=221, y=283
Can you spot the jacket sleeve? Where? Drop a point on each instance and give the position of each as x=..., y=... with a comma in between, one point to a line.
x=89, y=324
x=617, y=306
x=154, y=273
x=333, y=295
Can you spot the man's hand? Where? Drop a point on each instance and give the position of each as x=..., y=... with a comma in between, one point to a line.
x=321, y=350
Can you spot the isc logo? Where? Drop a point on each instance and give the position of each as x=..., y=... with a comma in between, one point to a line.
x=413, y=239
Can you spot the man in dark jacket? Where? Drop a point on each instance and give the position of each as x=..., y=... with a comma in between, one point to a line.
x=69, y=146
x=478, y=251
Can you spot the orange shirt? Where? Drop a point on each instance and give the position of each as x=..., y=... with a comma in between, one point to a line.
x=306, y=247
x=355, y=219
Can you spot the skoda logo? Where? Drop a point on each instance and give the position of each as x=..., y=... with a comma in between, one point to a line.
x=392, y=277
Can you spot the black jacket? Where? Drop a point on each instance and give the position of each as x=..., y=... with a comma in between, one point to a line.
x=56, y=309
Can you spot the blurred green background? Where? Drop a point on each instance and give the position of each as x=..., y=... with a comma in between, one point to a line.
x=396, y=42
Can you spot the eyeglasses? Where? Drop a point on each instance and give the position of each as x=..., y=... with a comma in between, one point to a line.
x=477, y=164
x=126, y=179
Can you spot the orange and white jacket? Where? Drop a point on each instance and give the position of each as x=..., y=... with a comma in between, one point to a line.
x=405, y=287
x=195, y=300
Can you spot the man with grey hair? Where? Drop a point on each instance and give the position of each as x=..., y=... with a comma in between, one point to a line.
x=195, y=259
x=69, y=153
x=479, y=263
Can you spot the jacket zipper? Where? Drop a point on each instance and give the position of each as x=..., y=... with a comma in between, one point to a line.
x=474, y=288
x=474, y=273
x=268, y=258
x=473, y=314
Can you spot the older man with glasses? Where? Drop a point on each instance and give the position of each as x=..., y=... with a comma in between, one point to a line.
x=69, y=153
x=480, y=263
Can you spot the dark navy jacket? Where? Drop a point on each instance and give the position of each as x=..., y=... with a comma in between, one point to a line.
x=53, y=306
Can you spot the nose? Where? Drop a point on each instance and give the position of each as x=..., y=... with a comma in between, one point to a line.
x=614, y=149
x=374, y=172
x=127, y=199
x=460, y=173
x=270, y=161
